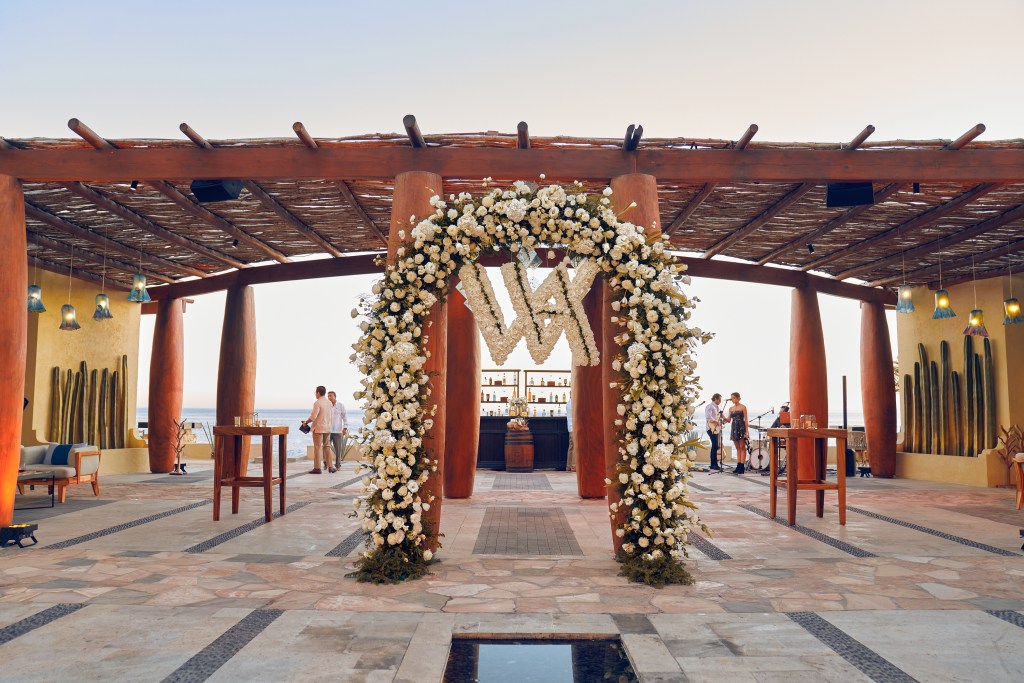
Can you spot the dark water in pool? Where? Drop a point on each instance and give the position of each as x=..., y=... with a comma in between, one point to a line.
x=538, y=661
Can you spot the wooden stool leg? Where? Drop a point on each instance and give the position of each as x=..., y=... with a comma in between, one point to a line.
x=841, y=480
x=820, y=463
x=773, y=479
x=792, y=478
x=282, y=454
x=238, y=471
x=218, y=467
x=268, y=476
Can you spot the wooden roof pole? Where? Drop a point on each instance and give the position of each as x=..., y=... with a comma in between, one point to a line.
x=256, y=190
x=1009, y=249
x=412, y=129
x=708, y=188
x=172, y=193
x=632, y=140
x=121, y=211
x=959, y=143
x=343, y=187
x=112, y=264
x=793, y=196
x=919, y=221
x=38, y=213
x=1014, y=214
x=42, y=264
x=523, y=135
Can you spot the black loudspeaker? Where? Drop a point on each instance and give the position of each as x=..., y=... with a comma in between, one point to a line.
x=216, y=190
x=849, y=194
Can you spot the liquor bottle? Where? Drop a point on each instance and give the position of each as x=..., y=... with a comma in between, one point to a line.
x=481, y=394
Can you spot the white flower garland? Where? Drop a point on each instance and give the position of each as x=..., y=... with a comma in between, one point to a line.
x=656, y=396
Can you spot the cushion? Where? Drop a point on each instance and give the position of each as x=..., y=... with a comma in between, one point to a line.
x=58, y=471
x=57, y=454
x=32, y=455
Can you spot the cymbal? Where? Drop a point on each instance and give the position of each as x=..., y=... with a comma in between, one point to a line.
x=760, y=428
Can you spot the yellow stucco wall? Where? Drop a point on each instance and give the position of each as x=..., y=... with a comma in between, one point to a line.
x=1007, y=341
x=100, y=344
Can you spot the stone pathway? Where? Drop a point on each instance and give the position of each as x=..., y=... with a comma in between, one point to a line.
x=925, y=582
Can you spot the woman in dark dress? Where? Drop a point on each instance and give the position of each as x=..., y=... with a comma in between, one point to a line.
x=738, y=434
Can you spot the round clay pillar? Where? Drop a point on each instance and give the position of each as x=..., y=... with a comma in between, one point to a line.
x=641, y=189
x=808, y=378
x=878, y=389
x=13, y=344
x=588, y=405
x=236, y=376
x=462, y=414
x=166, y=384
x=411, y=204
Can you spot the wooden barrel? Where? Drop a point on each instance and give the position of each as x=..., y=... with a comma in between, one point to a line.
x=519, y=450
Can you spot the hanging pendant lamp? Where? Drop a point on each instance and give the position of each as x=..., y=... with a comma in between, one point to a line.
x=1012, y=314
x=35, y=296
x=102, y=311
x=905, y=296
x=139, y=294
x=943, y=309
x=68, y=317
x=976, y=320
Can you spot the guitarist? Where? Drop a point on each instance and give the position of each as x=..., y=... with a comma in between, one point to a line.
x=713, y=417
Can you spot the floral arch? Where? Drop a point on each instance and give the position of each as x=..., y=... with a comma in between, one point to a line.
x=656, y=393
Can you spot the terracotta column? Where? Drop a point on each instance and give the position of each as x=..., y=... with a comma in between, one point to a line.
x=236, y=376
x=166, y=382
x=626, y=189
x=588, y=405
x=13, y=331
x=413, y=190
x=878, y=389
x=808, y=379
x=462, y=418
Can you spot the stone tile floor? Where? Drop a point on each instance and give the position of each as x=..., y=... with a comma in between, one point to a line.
x=925, y=583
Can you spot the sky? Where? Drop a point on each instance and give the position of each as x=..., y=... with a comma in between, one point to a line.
x=802, y=70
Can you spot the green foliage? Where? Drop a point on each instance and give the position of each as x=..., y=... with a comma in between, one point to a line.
x=658, y=572
x=391, y=564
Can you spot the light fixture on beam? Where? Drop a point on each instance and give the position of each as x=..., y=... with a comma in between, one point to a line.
x=905, y=299
x=138, y=293
x=206, y=191
x=68, y=317
x=943, y=309
x=976, y=320
x=102, y=311
x=849, y=194
x=35, y=295
x=1012, y=314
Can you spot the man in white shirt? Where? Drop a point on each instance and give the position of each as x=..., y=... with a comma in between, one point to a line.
x=339, y=430
x=713, y=417
x=320, y=418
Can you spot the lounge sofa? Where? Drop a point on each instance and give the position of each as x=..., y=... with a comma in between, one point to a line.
x=70, y=464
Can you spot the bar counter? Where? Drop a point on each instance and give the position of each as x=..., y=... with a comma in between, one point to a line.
x=550, y=442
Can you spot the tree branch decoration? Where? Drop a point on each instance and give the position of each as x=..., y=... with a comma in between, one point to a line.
x=653, y=350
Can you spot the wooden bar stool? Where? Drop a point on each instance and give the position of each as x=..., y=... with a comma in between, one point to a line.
x=235, y=477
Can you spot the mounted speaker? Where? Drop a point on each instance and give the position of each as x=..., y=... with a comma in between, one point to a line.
x=215, y=190
x=849, y=194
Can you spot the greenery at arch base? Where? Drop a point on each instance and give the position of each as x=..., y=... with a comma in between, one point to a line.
x=655, y=356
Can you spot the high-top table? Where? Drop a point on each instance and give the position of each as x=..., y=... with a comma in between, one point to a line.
x=796, y=442
x=236, y=478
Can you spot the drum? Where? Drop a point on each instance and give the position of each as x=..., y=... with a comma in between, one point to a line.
x=758, y=458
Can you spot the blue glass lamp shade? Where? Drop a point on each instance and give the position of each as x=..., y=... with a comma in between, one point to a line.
x=35, y=299
x=138, y=294
x=68, y=318
x=102, y=308
x=1012, y=313
x=976, y=324
x=905, y=301
x=942, y=306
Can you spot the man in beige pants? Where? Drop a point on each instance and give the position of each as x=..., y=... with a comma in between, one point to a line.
x=320, y=418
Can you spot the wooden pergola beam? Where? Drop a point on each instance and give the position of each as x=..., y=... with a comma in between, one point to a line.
x=121, y=211
x=43, y=264
x=412, y=129
x=523, y=136
x=268, y=201
x=848, y=215
x=772, y=165
x=708, y=188
x=927, y=218
x=790, y=198
x=343, y=187
x=1007, y=217
x=1012, y=248
x=45, y=242
x=43, y=216
x=172, y=193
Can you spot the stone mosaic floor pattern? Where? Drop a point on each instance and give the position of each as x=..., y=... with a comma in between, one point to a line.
x=935, y=591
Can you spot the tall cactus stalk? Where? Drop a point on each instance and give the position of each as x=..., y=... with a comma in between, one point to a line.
x=75, y=407
x=92, y=407
x=122, y=403
x=65, y=410
x=918, y=418
x=908, y=414
x=115, y=406
x=83, y=405
x=991, y=435
x=53, y=435
x=936, y=438
x=945, y=433
x=101, y=429
x=926, y=395
x=958, y=414
x=969, y=396
x=979, y=398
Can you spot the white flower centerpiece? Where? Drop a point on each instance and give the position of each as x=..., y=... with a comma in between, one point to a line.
x=657, y=392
